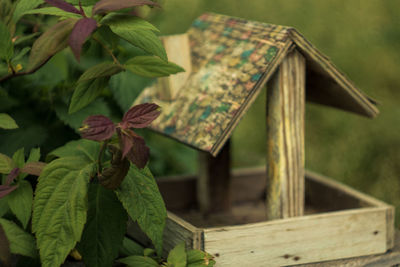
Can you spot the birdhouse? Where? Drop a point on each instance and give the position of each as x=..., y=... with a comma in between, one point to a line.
x=305, y=217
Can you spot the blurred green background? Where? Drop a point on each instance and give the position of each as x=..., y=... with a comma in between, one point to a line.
x=362, y=38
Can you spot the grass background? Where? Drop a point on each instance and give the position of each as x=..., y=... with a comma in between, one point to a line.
x=362, y=38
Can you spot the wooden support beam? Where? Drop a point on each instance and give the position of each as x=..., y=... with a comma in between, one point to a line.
x=285, y=139
x=214, y=182
x=178, y=51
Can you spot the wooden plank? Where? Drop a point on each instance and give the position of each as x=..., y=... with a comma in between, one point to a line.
x=214, y=182
x=390, y=227
x=178, y=51
x=285, y=139
x=325, y=190
x=292, y=241
x=178, y=230
x=249, y=185
x=390, y=258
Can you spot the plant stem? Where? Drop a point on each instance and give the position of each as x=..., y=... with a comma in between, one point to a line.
x=101, y=155
x=109, y=51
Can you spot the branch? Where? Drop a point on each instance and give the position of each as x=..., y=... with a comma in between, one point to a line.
x=16, y=74
x=109, y=51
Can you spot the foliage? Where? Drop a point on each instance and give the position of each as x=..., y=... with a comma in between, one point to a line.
x=177, y=257
x=86, y=188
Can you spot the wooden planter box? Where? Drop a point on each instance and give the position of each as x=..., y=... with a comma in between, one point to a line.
x=339, y=222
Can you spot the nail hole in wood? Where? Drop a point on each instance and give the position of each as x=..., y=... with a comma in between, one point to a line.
x=216, y=254
x=286, y=256
x=296, y=258
x=376, y=232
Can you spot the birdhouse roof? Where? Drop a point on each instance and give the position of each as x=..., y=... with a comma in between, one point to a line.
x=232, y=60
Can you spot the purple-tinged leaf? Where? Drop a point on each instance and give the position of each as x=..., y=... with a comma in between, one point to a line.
x=11, y=176
x=6, y=189
x=139, y=154
x=125, y=137
x=64, y=6
x=140, y=116
x=33, y=168
x=111, y=178
x=97, y=128
x=104, y=6
x=82, y=29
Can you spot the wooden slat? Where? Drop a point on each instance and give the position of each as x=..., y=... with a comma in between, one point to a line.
x=390, y=258
x=178, y=51
x=178, y=230
x=325, y=190
x=214, y=182
x=292, y=241
x=285, y=139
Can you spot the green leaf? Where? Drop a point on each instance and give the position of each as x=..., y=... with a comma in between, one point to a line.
x=86, y=92
x=126, y=86
x=6, y=45
x=49, y=43
x=105, y=35
x=12, y=140
x=24, y=6
x=19, y=158
x=198, y=258
x=130, y=247
x=149, y=66
x=105, y=69
x=26, y=38
x=21, y=242
x=20, y=202
x=4, y=206
x=99, y=107
x=141, y=198
x=79, y=148
x=135, y=261
x=34, y=155
x=127, y=21
x=54, y=11
x=6, y=164
x=105, y=228
x=60, y=206
x=21, y=54
x=6, y=122
x=177, y=256
x=138, y=32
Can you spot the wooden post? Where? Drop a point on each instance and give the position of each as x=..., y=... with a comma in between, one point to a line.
x=285, y=139
x=214, y=181
x=178, y=51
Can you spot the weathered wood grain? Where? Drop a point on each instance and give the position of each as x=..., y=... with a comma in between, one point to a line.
x=214, y=181
x=389, y=259
x=178, y=51
x=292, y=241
x=363, y=227
x=176, y=230
x=285, y=139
